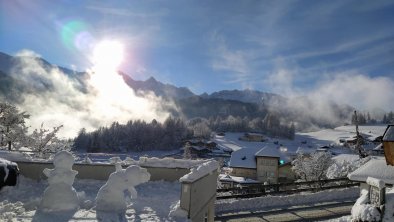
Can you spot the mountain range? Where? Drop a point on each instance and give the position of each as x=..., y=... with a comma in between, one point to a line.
x=303, y=111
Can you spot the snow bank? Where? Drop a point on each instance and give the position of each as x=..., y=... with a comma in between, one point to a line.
x=389, y=206
x=155, y=199
x=200, y=171
x=271, y=202
x=177, y=213
x=362, y=211
x=14, y=156
x=169, y=162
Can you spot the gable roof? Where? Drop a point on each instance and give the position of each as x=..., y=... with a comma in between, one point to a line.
x=268, y=151
x=246, y=157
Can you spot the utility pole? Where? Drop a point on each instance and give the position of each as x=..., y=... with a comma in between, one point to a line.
x=360, y=150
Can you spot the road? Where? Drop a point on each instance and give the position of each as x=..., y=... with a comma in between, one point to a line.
x=293, y=214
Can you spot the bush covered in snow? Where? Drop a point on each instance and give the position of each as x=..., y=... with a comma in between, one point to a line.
x=312, y=167
x=343, y=168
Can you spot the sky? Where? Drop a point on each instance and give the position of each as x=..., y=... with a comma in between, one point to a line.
x=285, y=47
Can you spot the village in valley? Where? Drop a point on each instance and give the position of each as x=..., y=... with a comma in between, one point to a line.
x=227, y=172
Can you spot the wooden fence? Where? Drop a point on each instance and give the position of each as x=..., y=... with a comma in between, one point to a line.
x=259, y=189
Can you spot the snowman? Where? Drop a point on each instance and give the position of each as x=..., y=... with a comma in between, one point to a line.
x=60, y=195
x=113, y=195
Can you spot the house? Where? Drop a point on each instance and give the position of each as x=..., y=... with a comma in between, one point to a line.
x=260, y=164
x=286, y=174
x=376, y=168
x=228, y=181
x=252, y=137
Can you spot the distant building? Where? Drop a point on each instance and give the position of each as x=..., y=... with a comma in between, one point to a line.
x=260, y=164
x=252, y=137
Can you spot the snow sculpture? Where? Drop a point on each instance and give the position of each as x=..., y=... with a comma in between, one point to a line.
x=112, y=195
x=60, y=195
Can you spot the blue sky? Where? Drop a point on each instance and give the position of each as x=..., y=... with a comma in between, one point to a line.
x=274, y=46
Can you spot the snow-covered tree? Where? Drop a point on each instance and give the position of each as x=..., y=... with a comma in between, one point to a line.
x=342, y=169
x=312, y=167
x=45, y=140
x=201, y=130
x=12, y=125
x=187, y=151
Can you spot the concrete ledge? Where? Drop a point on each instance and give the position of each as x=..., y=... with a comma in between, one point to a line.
x=97, y=171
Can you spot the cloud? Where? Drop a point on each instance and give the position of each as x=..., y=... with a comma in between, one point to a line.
x=98, y=99
x=361, y=91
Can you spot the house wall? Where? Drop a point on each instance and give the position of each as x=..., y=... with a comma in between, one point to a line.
x=286, y=174
x=244, y=172
x=267, y=169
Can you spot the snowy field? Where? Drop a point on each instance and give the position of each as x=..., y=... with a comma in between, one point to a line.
x=155, y=199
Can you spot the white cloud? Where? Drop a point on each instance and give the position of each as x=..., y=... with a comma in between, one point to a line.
x=54, y=98
x=359, y=90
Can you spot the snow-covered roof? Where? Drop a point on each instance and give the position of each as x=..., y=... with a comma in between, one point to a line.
x=389, y=133
x=244, y=158
x=268, y=151
x=346, y=157
x=228, y=178
x=376, y=168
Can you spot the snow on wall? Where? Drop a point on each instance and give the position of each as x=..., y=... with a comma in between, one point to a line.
x=376, y=182
x=362, y=211
x=200, y=171
x=270, y=202
x=169, y=162
x=376, y=168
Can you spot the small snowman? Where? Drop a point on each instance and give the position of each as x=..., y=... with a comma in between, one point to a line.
x=113, y=195
x=60, y=195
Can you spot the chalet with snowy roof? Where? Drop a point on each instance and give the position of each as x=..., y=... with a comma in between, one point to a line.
x=260, y=164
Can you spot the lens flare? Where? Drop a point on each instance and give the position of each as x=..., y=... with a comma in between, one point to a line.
x=75, y=35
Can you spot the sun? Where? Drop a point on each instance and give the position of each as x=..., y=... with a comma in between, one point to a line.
x=108, y=55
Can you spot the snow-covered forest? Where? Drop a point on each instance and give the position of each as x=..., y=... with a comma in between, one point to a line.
x=139, y=135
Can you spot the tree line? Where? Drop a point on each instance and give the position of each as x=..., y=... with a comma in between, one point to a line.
x=139, y=135
x=365, y=118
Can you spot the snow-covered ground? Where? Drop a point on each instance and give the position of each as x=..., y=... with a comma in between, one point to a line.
x=303, y=142
x=155, y=200
x=280, y=202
